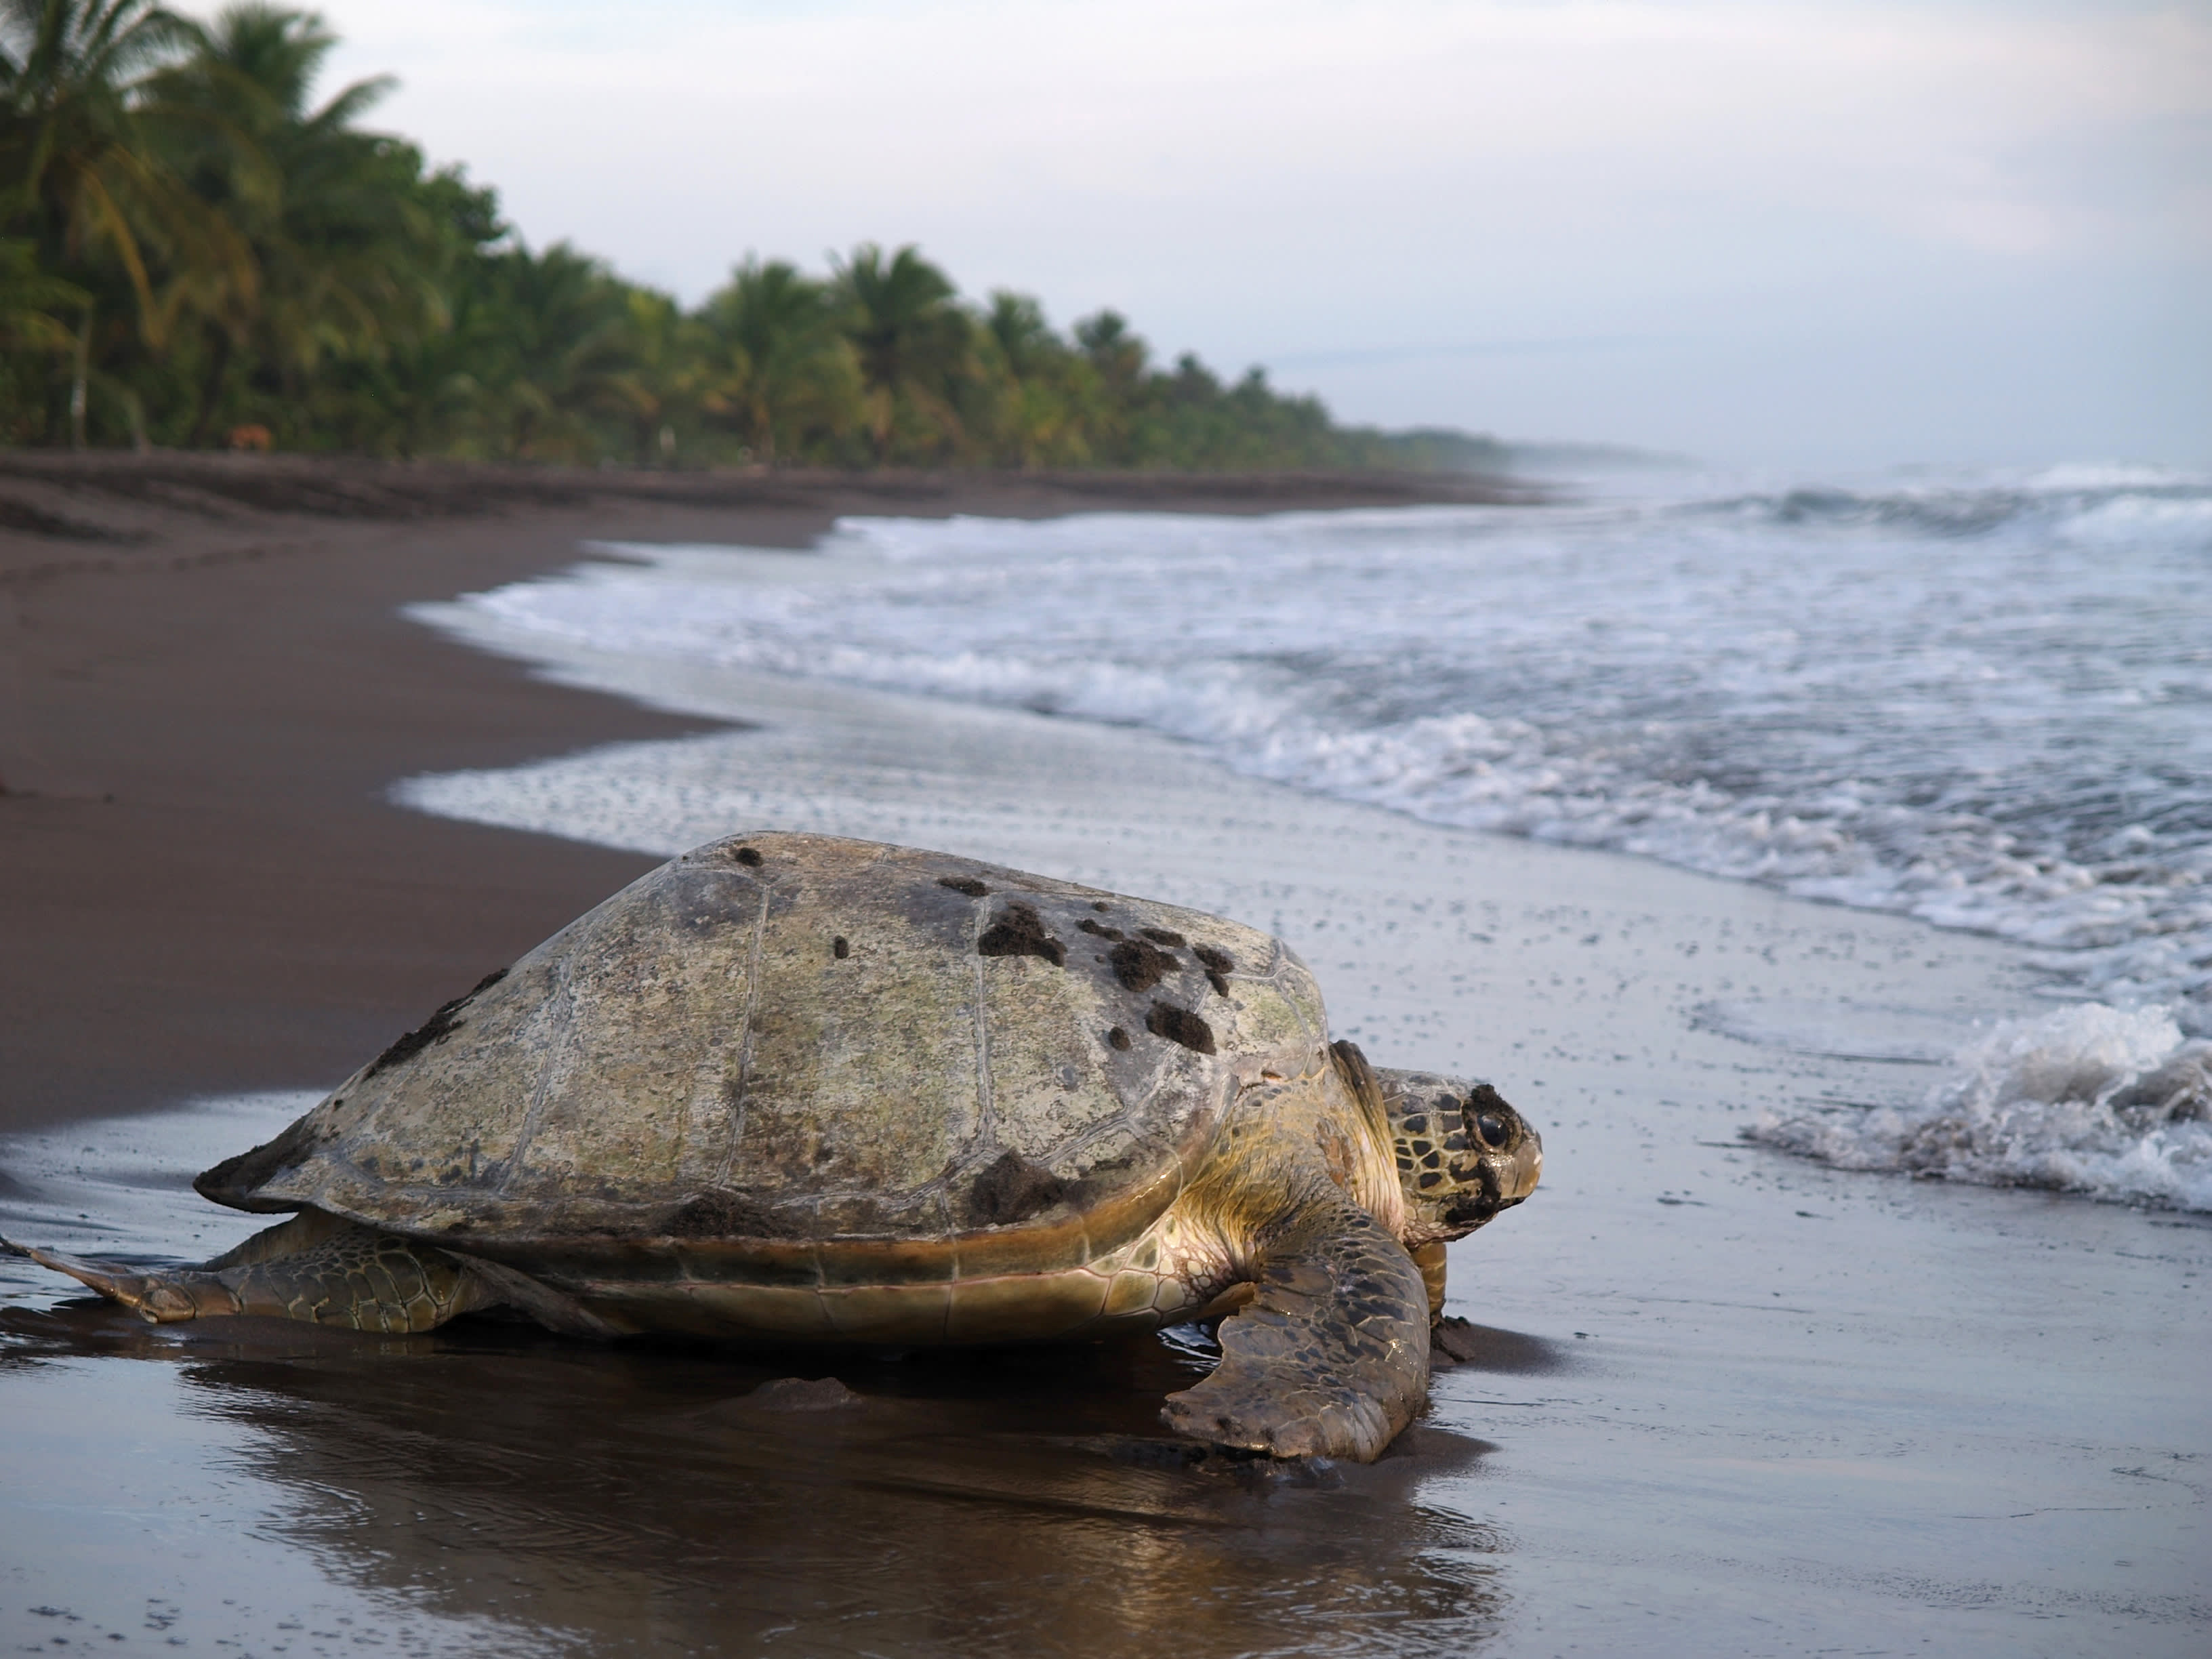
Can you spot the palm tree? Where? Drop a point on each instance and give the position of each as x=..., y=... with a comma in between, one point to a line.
x=911, y=339
x=668, y=376
x=1041, y=386
x=1024, y=341
x=779, y=366
x=32, y=304
x=1118, y=358
x=341, y=256
x=78, y=82
x=422, y=391
x=553, y=352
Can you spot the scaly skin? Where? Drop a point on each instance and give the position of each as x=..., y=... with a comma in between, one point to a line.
x=1336, y=1200
x=1330, y=1357
x=315, y=1269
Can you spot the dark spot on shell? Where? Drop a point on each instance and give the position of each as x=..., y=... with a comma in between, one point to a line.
x=1214, y=957
x=838, y=948
x=1091, y=927
x=1019, y=931
x=1163, y=936
x=1118, y=1038
x=1013, y=1189
x=1139, y=966
x=1180, y=1025
x=436, y=1029
x=720, y=1214
x=1099, y=905
x=967, y=884
x=1415, y=1124
x=1220, y=985
x=1429, y=1178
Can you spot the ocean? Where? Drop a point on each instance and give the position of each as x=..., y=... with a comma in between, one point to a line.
x=1982, y=701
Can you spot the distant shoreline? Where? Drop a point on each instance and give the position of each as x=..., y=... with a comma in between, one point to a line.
x=56, y=501
x=206, y=689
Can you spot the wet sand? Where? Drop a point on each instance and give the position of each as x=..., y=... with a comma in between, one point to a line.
x=1722, y=1402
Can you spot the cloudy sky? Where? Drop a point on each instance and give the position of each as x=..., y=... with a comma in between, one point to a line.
x=1832, y=231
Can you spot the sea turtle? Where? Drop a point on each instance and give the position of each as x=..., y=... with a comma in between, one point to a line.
x=790, y=1088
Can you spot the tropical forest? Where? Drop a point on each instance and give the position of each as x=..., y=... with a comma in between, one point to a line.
x=199, y=249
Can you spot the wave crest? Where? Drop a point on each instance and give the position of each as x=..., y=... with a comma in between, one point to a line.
x=2089, y=1098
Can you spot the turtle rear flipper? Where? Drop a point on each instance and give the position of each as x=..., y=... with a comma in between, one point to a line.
x=314, y=1268
x=1330, y=1357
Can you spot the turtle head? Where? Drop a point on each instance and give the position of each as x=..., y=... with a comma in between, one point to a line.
x=1462, y=1153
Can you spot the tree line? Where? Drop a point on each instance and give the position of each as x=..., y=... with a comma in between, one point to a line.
x=196, y=253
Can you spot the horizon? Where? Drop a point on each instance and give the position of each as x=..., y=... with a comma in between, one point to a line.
x=1956, y=235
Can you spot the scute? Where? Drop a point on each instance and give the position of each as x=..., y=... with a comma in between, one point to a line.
x=810, y=1045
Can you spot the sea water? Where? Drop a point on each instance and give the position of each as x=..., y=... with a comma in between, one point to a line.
x=1985, y=703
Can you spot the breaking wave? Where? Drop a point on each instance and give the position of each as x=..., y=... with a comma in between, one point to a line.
x=2086, y=1099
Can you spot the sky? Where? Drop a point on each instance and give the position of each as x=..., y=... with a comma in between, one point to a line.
x=1793, y=233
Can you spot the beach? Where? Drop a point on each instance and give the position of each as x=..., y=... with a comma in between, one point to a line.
x=1721, y=1399
x=206, y=688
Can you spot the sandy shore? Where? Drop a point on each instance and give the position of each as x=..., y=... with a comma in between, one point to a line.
x=205, y=687
x=1724, y=1402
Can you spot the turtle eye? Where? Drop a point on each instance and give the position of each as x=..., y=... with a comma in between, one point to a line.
x=1491, y=1127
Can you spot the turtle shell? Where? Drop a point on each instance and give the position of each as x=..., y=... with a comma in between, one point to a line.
x=797, y=1045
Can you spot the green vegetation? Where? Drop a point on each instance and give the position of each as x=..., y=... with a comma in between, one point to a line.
x=193, y=252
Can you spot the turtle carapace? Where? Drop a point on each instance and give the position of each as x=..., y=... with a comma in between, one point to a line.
x=788, y=1088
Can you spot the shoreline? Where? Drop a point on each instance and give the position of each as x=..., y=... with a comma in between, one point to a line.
x=105, y=506
x=1721, y=1399
x=207, y=688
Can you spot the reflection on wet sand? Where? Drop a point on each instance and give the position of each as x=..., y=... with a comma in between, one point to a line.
x=1011, y=1501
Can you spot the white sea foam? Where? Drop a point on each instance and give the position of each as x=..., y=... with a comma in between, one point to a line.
x=1988, y=706
x=2087, y=1099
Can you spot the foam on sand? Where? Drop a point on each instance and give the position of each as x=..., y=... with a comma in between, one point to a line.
x=2086, y=1099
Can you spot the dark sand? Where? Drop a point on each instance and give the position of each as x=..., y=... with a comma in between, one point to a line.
x=1720, y=1401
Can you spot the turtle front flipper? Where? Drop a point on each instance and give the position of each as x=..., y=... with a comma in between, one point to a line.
x=1330, y=1357
x=314, y=1268
x=1432, y=1261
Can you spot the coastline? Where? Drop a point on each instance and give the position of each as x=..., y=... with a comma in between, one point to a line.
x=1720, y=1400
x=206, y=687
